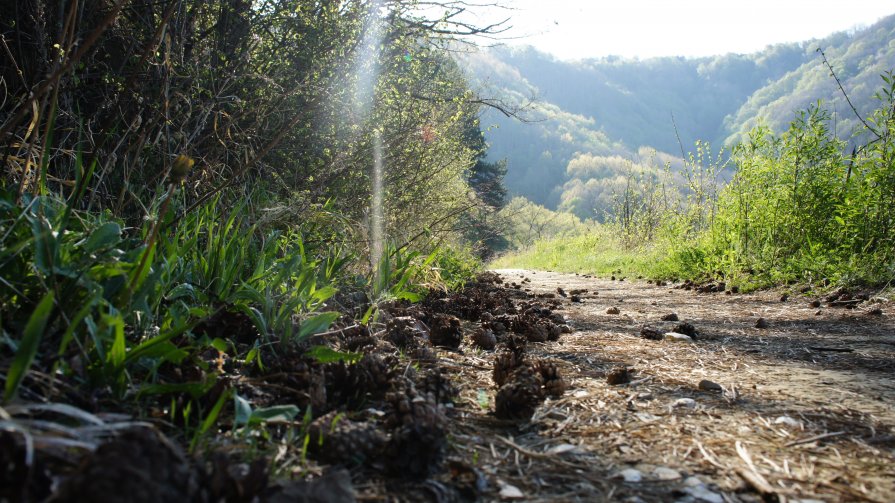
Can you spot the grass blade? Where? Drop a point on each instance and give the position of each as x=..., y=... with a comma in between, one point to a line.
x=27, y=350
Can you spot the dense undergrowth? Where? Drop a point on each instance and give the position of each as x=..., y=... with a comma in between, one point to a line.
x=186, y=196
x=803, y=206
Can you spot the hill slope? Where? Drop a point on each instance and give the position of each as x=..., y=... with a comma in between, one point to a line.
x=613, y=107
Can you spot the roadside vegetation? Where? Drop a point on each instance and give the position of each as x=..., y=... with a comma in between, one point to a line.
x=802, y=206
x=191, y=191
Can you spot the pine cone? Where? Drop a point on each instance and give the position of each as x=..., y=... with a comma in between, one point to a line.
x=446, y=331
x=356, y=384
x=484, y=338
x=618, y=375
x=505, y=363
x=436, y=384
x=536, y=332
x=554, y=385
x=520, y=396
x=406, y=332
x=335, y=439
x=418, y=440
x=651, y=333
x=139, y=465
x=686, y=329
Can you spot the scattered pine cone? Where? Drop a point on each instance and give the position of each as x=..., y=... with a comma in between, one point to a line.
x=686, y=329
x=520, y=396
x=139, y=465
x=670, y=317
x=446, y=331
x=505, y=363
x=618, y=375
x=438, y=385
x=418, y=440
x=554, y=384
x=651, y=333
x=484, y=338
x=333, y=438
x=406, y=332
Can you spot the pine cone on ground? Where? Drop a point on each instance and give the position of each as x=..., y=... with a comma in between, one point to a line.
x=484, y=338
x=505, y=363
x=446, y=331
x=536, y=332
x=435, y=383
x=554, y=384
x=418, y=439
x=651, y=333
x=333, y=438
x=520, y=396
x=686, y=329
x=406, y=332
x=139, y=465
x=355, y=384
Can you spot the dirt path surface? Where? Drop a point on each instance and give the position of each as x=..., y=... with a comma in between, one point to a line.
x=800, y=409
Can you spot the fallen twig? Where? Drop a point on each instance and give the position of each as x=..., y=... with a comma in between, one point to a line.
x=815, y=437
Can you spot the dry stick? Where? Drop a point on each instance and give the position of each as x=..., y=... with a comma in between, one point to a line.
x=50, y=82
x=815, y=437
x=751, y=475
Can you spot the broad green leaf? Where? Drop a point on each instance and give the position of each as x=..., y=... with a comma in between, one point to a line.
x=325, y=354
x=274, y=414
x=106, y=236
x=182, y=290
x=317, y=324
x=243, y=410
x=27, y=349
x=410, y=296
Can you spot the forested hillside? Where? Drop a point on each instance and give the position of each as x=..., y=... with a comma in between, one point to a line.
x=614, y=106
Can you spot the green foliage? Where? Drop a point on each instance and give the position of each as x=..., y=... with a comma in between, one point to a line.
x=526, y=223
x=801, y=206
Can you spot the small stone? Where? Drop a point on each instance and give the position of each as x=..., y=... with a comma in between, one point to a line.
x=702, y=493
x=761, y=323
x=706, y=385
x=684, y=402
x=663, y=473
x=630, y=475
x=613, y=310
x=676, y=337
x=692, y=481
x=815, y=303
x=788, y=421
x=510, y=492
x=670, y=317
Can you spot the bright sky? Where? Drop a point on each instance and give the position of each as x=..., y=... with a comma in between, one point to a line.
x=576, y=29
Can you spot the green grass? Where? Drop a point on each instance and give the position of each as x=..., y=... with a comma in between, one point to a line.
x=588, y=254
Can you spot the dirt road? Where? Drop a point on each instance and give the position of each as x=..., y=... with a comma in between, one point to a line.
x=801, y=409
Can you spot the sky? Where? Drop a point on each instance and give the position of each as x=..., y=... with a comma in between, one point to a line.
x=578, y=29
